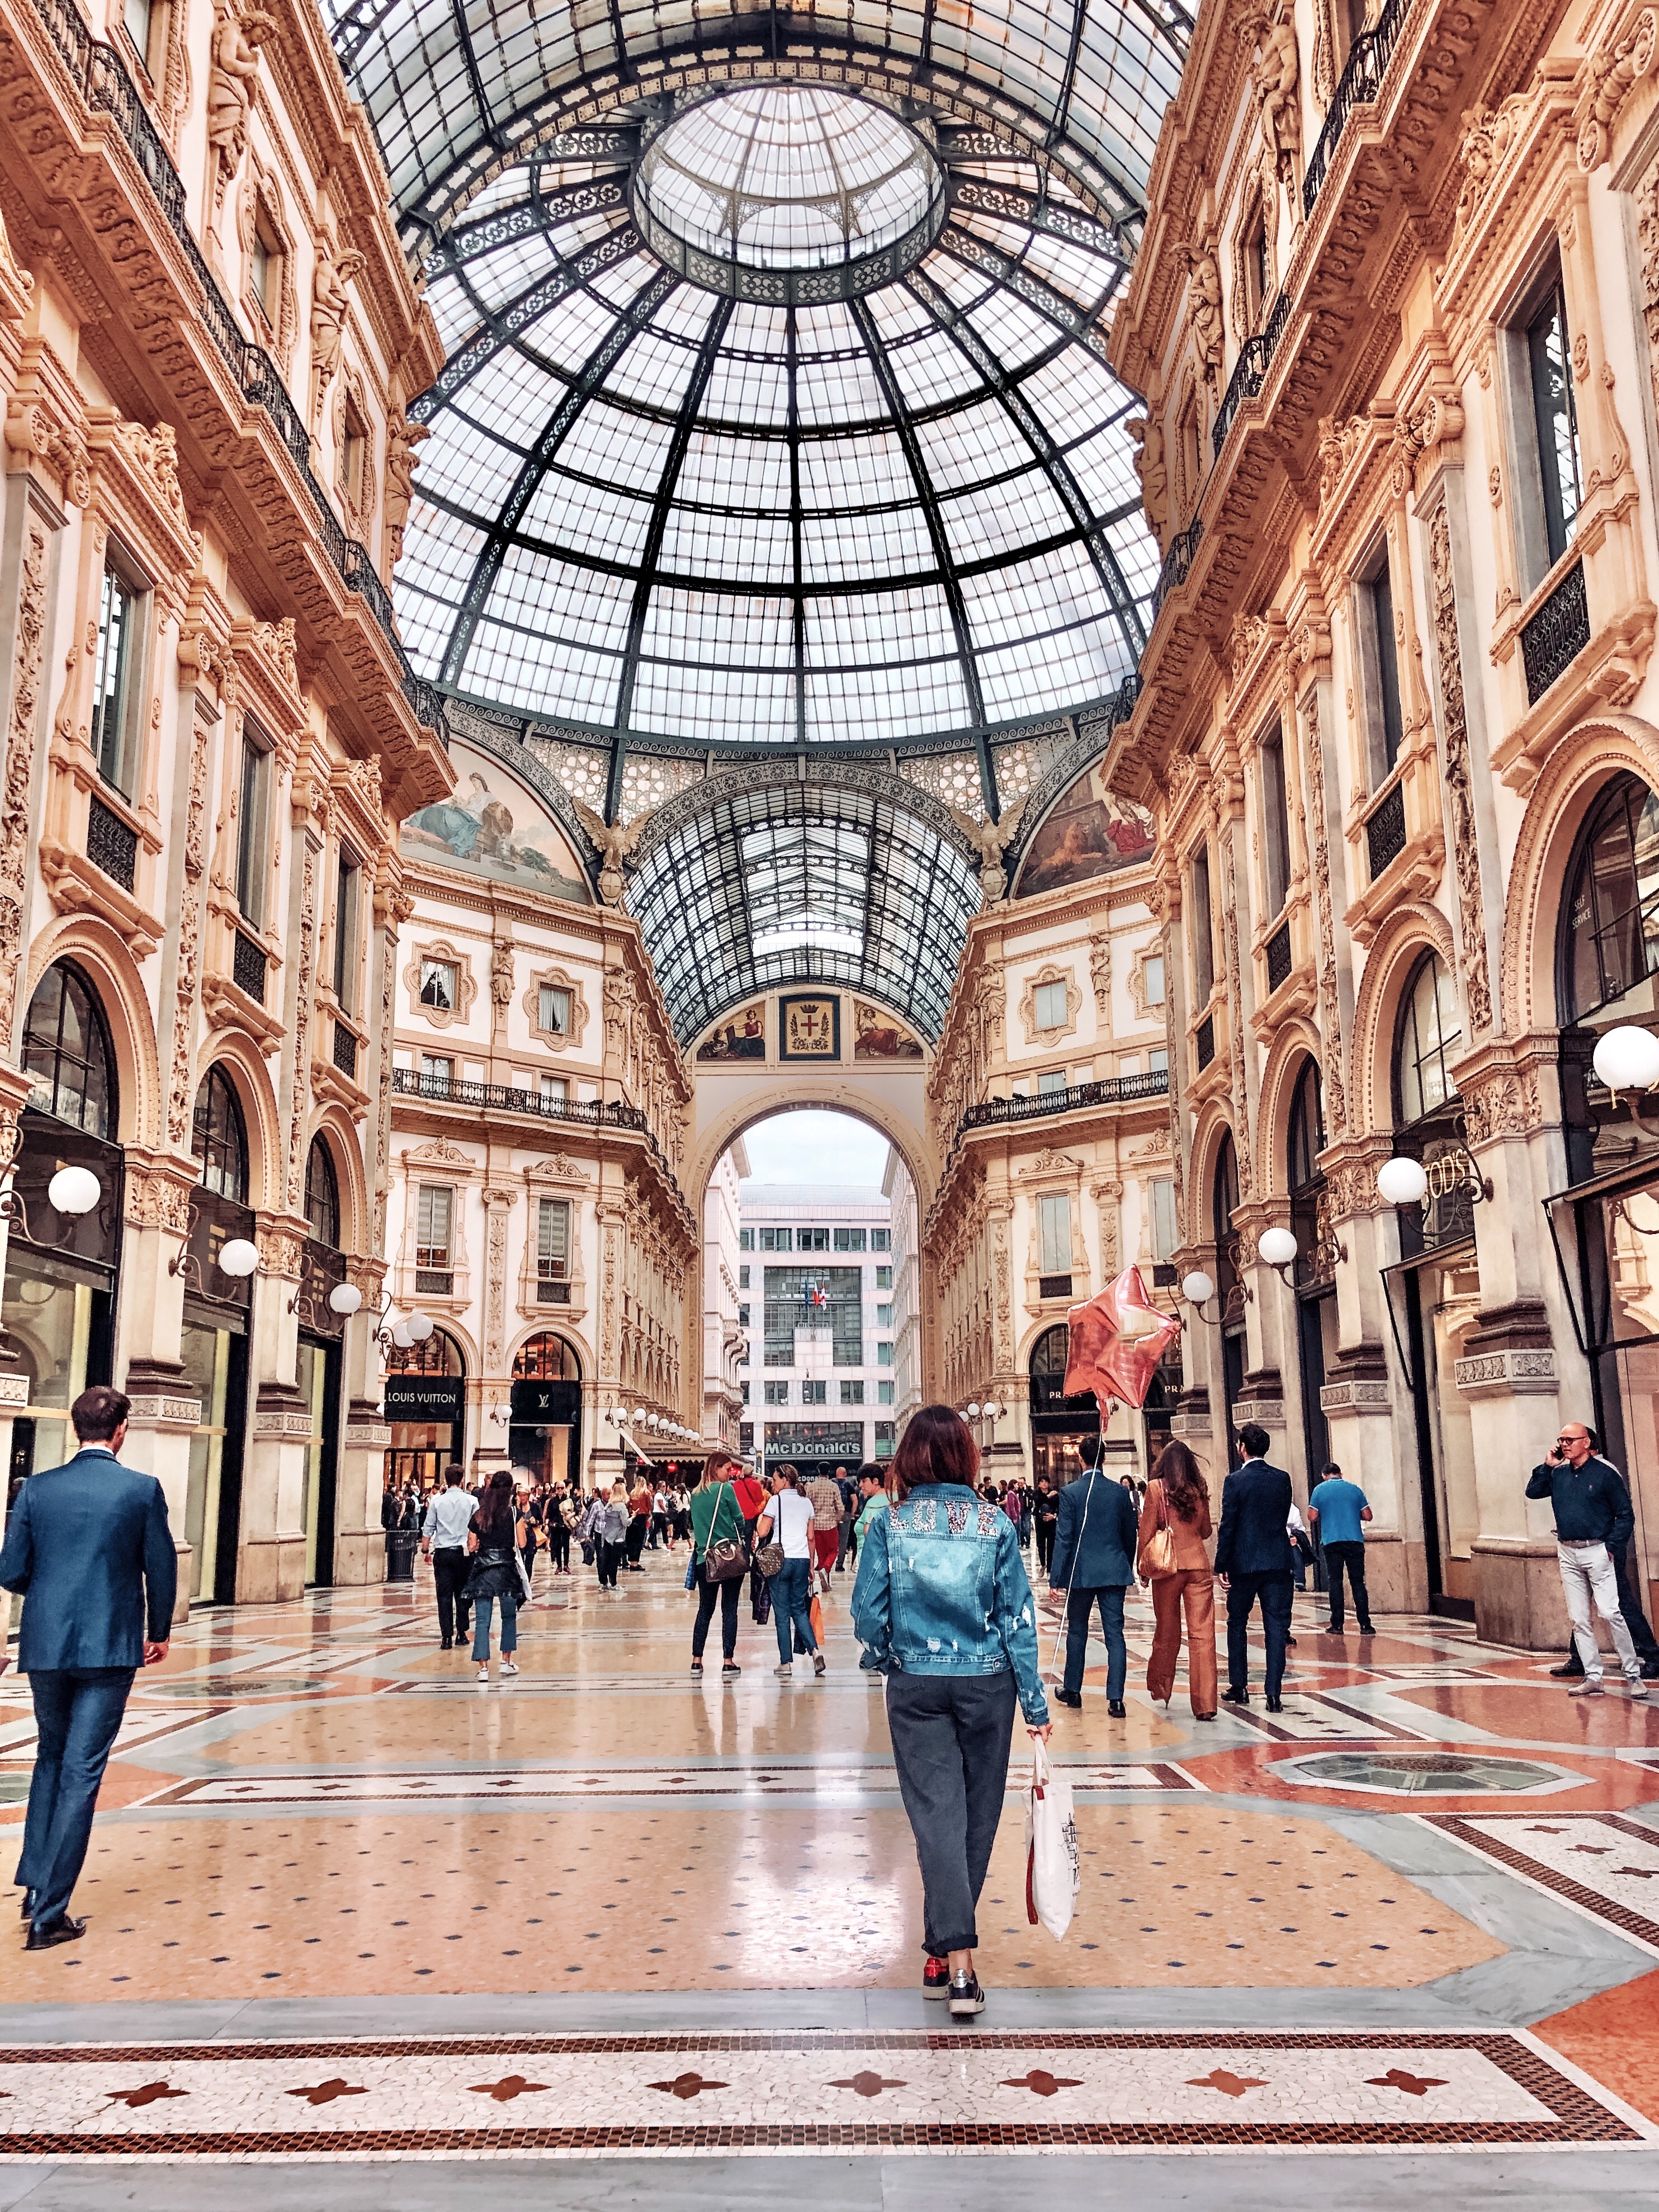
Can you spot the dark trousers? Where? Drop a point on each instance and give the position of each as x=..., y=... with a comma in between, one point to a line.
x=950, y=1735
x=1078, y=1605
x=792, y=1602
x=610, y=1557
x=636, y=1528
x=1349, y=1559
x=1647, y=1651
x=709, y=1595
x=450, y=1566
x=77, y=1712
x=1045, y=1545
x=558, y=1548
x=1274, y=1591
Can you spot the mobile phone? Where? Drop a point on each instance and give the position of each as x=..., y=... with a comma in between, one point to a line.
x=1557, y=1457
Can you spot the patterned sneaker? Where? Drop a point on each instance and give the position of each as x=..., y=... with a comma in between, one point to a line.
x=967, y=1998
x=936, y=1979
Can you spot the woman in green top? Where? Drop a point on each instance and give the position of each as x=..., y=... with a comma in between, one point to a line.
x=715, y=1513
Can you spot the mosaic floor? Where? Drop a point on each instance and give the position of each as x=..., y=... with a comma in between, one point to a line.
x=348, y=1907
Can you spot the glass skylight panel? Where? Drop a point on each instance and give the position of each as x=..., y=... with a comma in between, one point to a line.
x=460, y=462
x=584, y=605
x=712, y=706
x=750, y=476
x=1028, y=598
x=699, y=542
x=511, y=396
x=581, y=517
x=806, y=884
x=840, y=473
x=890, y=542
x=1103, y=464
x=654, y=371
x=1022, y=512
x=743, y=390
x=616, y=445
x=497, y=278
x=932, y=369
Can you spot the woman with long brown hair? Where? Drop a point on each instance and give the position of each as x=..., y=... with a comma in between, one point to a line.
x=943, y=1610
x=1178, y=1501
x=494, y=1576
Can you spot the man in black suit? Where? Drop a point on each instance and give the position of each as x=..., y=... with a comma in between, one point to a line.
x=1253, y=1560
x=88, y=1545
x=1094, y=1563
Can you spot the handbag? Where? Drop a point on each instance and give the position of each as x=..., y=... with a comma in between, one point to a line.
x=769, y=1556
x=1158, y=1554
x=1054, y=1866
x=726, y=1559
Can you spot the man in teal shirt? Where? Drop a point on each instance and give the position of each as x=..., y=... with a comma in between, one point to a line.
x=1338, y=1511
x=873, y=1490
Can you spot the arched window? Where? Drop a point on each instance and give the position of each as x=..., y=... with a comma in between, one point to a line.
x=218, y=1137
x=546, y=1359
x=1426, y=1040
x=1306, y=1137
x=439, y=1354
x=1049, y=1370
x=322, y=1196
x=1610, y=921
x=67, y=1052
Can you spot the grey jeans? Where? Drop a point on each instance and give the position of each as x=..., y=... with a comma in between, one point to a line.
x=951, y=1737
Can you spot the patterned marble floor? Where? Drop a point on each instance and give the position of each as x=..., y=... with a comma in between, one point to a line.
x=348, y=1908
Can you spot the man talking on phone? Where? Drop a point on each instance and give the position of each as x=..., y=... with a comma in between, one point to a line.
x=1594, y=1520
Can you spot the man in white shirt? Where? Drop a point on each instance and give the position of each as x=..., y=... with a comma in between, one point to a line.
x=443, y=1541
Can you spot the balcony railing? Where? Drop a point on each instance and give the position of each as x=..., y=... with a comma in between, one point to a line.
x=1250, y=371
x=1358, y=87
x=1204, y=1043
x=1278, y=955
x=506, y=1099
x=1112, y=1091
x=1385, y=830
x=1177, y=563
x=102, y=81
x=346, y=1052
x=1557, y=634
x=112, y=847
x=247, y=967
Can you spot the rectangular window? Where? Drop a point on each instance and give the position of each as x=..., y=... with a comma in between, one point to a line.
x=553, y=1010
x=253, y=830
x=1377, y=602
x=1202, y=929
x=553, y=1250
x=555, y=1090
x=1152, y=979
x=1275, y=820
x=1164, y=1219
x=440, y=985
x=776, y=1240
x=135, y=19
x=883, y=1355
x=884, y=1279
x=884, y=1397
x=1052, y=1079
x=1557, y=419
x=345, y=931
x=812, y=1240
x=815, y=1394
x=434, y=1218
x=852, y=1393
x=745, y=1240
x=264, y=270
x=114, y=678
x=884, y=1430
x=743, y=1316
x=1157, y=1062
x=1054, y=1233
x=745, y=1394
x=881, y=1240
x=849, y=1240
x=1049, y=1005
x=742, y=1278
x=883, y=1316
x=437, y=1074
x=777, y=1393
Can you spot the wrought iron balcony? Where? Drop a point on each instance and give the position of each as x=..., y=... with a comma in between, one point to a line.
x=112, y=847
x=346, y=1052
x=1177, y=563
x=247, y=967
x=1557, y=634
x=1250, y=371
x=1205, y=1042
x=1111, y=1090
x=1385, y=830
x=1280, y=961
x=507, y=1098
x=1358, y=87
x=101, y=78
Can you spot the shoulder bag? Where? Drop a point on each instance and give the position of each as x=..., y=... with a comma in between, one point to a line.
x=727, y=1558
x=1158, y=1554
x=768, y=1557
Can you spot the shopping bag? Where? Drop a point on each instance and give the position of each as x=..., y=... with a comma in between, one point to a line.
x=818, y=1622
x=1053, y=1870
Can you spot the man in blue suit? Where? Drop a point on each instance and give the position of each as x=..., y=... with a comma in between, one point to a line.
x=1252, y=1561
x=1093, y=1560
x=88, y=1545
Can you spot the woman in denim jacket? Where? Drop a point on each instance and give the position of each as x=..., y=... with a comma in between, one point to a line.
x=943, y=1608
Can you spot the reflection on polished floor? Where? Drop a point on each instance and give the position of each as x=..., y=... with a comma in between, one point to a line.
x=346, y=1903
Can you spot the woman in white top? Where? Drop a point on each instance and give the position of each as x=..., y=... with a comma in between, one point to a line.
x=789, y=1512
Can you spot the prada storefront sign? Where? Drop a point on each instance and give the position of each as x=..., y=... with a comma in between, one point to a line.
x=424, y=1397
x=546, y=1405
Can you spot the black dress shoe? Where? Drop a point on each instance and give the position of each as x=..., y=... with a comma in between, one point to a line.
x=61, y=1930
x=1117, y=1709
x=449, y=1643
x=1068, y=1698
x=1650, y=1670
x=1275, y=1705
x=1570, y=1673
x=1235, y=1696
x=1289, y=1642
x=25, y=1906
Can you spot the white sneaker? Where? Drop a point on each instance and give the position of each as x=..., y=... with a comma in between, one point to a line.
x=483, y=1674
x=1637, y=1688
x=508, y=1667
x=785, y=1673
x=1588, y=1688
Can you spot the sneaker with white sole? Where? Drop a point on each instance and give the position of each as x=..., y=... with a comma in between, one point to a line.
x=967, y=1997
x=508, y=1668
x=483, y=1674
x=1638, y=1688
x=1587, y=1689
x=785, y=1673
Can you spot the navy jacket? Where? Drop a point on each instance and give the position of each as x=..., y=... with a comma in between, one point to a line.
x=1255, y=1504
x=1103, y=1539
x=1590, y=1503
x=88, y=1546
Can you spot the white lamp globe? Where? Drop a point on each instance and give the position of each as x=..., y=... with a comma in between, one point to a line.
x=420, y=1326
x=639, y=1414
x=237, y=1257
x=344, y=1298
x=1197, y=1288
x=974, y=1412
x=990, y=1410
x=1276, y=1246
x=400, y=1335
x=1401, y=1182
x=1628, y=1060
x=74, y=1190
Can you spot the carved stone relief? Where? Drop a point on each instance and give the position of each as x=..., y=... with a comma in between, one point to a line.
x=27, y=671
x=1456, y=764
x=1330, y=1012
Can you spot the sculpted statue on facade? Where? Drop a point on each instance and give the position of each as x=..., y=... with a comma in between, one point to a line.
x=1273, y=78
x=990, y=840
x=1153, y=472
x=1204, y=306
x=330, y=304
x=232, y=81
x=613, y=842
x=402, y=437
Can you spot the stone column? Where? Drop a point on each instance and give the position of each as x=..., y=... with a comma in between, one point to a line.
x=272, y=1545
x=359, y=1543
x=150, y=1328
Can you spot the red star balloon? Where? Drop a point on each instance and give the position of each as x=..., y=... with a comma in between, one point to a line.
x=1117, y=1339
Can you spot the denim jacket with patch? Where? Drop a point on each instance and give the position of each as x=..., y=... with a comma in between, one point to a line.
x=941, y=1589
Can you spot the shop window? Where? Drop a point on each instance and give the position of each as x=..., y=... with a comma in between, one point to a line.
x=253, y=827
x=881, y=1240
x=1427, y=1042
x=852, y=1392
x=815, y=1394
x=434, y=1231
x=553, y=1251
x=1555, y=418
x=777, y=1393
x=1275, y=821
x=546, y=1359
x=322, y=1196
x=115, y=677
x=1202, y=929
x=441, y=985
x=1610, y=945
x=348, y=877
x=883, y=1396
x=218, y=1137
x=849, y=1240
x=1379, y=661
x=67, y=1055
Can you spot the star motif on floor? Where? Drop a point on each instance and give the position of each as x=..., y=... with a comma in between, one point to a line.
x=1041, y=2083
x=1231, y=2085
x=324, y=2093
x=504, y=2091
x=1412, y=2085
x=686, y=2085
x=865, y=2083
x=151, y=2094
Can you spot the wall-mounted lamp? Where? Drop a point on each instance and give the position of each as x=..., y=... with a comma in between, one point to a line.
x=1198, y=1289
x=1627, y=1059
x=1276, y=1249
x=402, y=1335
x=1402, y=1182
